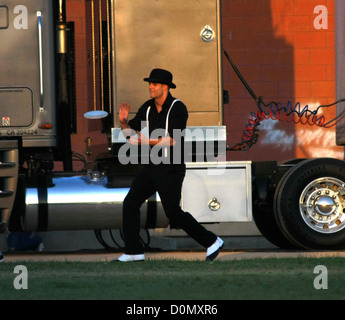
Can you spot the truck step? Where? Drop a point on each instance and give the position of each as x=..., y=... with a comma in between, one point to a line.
x=8, y=169
x=8, y=179
x=6, y=193
x=6, y=165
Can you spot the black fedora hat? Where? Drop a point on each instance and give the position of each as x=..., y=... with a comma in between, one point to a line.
x=161, y=76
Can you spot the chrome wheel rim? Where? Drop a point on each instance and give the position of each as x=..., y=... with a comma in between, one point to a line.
x=322, y=204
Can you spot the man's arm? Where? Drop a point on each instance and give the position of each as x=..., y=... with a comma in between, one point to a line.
x=141, y=139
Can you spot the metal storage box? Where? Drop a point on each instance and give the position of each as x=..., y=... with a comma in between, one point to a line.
x=218, y=192
x=181, y=36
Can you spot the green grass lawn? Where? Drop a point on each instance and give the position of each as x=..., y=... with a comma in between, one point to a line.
x=176, y=280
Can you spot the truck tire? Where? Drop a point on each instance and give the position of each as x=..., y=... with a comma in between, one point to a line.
x=309, y=204
x=267, y=225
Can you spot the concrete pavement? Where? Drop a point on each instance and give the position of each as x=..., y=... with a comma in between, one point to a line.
x=178, y=255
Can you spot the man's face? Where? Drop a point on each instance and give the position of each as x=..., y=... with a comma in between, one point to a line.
x=157, y=90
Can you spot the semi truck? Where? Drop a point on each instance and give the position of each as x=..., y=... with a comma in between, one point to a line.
x=295, y=204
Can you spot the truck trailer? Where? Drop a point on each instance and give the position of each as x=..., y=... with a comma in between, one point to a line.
x=295, y=204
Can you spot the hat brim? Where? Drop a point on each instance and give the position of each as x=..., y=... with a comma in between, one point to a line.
x=170, y=84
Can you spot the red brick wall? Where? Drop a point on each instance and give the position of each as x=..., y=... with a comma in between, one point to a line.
x=77, y=12
x=281, y=55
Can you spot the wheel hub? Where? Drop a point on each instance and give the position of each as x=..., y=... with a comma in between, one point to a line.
x=325, y=205
x=322, y=205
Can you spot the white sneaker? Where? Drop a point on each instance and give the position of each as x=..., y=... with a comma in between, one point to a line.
x=2, y=259
x=212, y=251
x=131, y=257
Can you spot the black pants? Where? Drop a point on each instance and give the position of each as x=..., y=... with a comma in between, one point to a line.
x=167, y=180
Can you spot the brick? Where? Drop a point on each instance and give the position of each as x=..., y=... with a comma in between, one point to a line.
x=233, y=24
x=265, y=89
x=281, y=7
x=238, y=123
x=302, y=56
x=331, y=72
x=323, y=56
x=79, y=25
x=331, y=23
x=259, y=24
x=331, y=7
x=286, y=89
x=285, y=56
x=261, y=57
x=330, y=39
x=306, y=7
x=244, y=8
x=237, y=56
x=83, y=106
x=321, y=89
x=81, y=90
x=293, y=24
x=251, y=73
x=244, y=40
x=81, y=124
x=94, y=125
x=310, y=72
x=310, y=40
x=235, y=90
x=75, y=8
x=275, y=40
x=81, y=74
x=277, y=73
x=81, y=57
x=302, y=89
x=242, y=107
